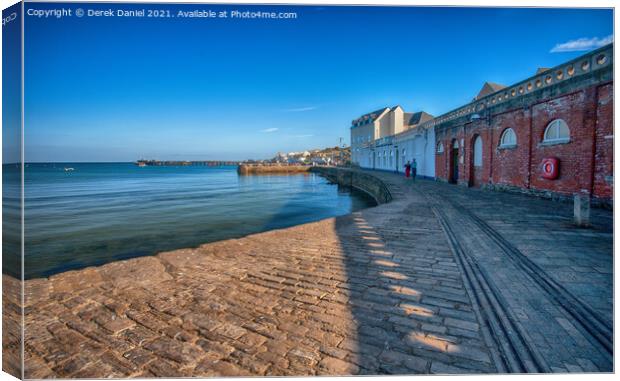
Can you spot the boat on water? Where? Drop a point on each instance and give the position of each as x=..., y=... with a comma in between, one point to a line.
x=69, y=169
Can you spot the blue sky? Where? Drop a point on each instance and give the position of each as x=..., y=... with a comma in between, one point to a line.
x=119, y=89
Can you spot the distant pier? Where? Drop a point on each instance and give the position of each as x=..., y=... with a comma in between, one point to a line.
x=204, y=163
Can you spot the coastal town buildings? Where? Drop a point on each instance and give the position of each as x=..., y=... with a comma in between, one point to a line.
x=327, y=156
x=387, y=138
x=550, y=134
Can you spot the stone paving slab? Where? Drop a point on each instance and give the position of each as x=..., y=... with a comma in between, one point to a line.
x=376, y=292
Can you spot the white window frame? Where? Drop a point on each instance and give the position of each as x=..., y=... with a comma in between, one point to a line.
x=556, y=126
x=502, y=141
x=440, y=147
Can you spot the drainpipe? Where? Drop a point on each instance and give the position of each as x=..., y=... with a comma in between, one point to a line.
x=594, y=103
x=529, y=156
x=492, y=146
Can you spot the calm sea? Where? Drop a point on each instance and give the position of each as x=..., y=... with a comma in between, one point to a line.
x=102, y=212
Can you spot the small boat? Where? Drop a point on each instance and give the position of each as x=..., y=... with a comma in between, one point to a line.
x=69, y=169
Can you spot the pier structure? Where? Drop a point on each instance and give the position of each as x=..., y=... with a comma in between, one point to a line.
x=184, y=163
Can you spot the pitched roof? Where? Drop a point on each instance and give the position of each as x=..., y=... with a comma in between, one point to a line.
x=415, y=118
x=489, y=88
x=541, y=70
x=372, y=116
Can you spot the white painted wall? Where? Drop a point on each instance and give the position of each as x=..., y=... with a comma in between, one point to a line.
x=419, y=145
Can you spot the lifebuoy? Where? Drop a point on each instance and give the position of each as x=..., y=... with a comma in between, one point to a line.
x=550, y=168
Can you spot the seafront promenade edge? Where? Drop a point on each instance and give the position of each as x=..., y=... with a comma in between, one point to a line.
x=441, y=279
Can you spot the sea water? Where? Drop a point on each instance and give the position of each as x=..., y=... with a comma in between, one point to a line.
x=84, y=214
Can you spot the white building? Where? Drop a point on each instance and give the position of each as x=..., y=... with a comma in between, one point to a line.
x=387, y=138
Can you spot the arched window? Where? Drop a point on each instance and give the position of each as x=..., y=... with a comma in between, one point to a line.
x=455, y=144
x=478, y=152
x=509, y=138
x=557, y=132
x=440, y=147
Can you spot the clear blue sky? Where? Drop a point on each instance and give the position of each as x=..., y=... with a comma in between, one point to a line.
x=119, y=89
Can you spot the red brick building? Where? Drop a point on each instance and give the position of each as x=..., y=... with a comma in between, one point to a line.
x=551, y=134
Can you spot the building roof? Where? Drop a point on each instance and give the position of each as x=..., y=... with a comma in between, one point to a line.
x=489, y=88
x=371, y=116
x=541, y=70
x=415, y=118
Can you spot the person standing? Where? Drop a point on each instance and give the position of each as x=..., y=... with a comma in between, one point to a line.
x=414, y=169
x=407, y=169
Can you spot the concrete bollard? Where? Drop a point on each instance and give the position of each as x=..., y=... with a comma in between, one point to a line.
x=582, y=210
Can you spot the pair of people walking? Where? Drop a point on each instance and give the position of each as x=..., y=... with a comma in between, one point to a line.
x=411, y=169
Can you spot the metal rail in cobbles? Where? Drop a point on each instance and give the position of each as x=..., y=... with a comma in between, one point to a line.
x=511, y=349
x=596, y=326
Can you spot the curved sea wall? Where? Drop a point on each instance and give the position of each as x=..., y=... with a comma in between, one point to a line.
x=356, y=179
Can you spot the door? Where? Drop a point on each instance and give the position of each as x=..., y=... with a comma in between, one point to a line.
x=397, y=161
x=476, y=178
x=454, y=162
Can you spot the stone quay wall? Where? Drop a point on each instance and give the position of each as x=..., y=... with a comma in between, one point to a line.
x=249, y=169
x=365, y=182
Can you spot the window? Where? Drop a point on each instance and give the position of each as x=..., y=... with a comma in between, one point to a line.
x=478, y=152
x=440, y=147
x=557, y=132
x=509, y=138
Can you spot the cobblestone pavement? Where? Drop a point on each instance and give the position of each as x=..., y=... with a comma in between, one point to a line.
x=412, y=286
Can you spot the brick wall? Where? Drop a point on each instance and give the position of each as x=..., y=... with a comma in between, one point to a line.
x=586, y=161
x=604, y=153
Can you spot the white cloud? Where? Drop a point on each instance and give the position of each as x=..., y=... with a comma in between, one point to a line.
x=268, y=130
x=301, y=109
x=582, y=44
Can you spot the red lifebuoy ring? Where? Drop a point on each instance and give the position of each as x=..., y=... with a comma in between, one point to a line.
x=550, y=168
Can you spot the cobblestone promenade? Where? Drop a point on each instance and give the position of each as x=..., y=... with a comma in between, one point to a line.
x=442, y=279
